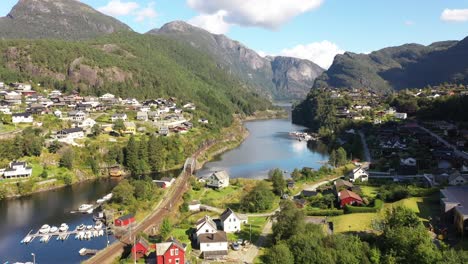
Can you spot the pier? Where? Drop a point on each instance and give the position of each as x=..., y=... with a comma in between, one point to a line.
x=86, y=233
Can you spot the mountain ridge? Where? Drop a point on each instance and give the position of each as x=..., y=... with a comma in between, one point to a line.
x=245, y=63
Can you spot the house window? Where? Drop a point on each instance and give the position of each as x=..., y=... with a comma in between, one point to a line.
x=172, y=252
x=176, y=252
x=207, y=231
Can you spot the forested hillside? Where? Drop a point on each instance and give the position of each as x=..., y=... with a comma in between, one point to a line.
x=129, y=65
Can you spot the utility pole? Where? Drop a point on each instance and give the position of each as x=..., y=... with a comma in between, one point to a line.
x=250, y=233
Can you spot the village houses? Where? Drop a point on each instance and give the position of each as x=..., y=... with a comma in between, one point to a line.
x=17, y=169
x=218, y=179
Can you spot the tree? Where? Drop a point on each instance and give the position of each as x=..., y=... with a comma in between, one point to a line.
x=124, y=193
x=44, y=174
x=289, y=221
x=96, y=130
x=119, y=125
x=332, y=158
x=54, y=146
x=279, y=254
x=341, y=157
x=131, y=156
x=296, y=174
x=279, y=183
x=67, y=158
x=165, y=229
x=259, y=199
x=400, y=216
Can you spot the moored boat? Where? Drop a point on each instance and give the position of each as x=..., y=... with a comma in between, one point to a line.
x=44, y=229
x=85, y=207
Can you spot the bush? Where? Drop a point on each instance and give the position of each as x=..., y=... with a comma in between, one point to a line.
x=326, y=212
x=377, y=206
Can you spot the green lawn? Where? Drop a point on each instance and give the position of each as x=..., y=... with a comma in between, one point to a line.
x=369, y=191
x=353, y=222
x=425, y=207
x=256, y=223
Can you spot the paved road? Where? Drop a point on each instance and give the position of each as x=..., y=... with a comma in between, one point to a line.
x=447, y=144
x=367, y=156
x=221, y=210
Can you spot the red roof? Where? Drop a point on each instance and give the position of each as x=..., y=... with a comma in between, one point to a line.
x=349, y=194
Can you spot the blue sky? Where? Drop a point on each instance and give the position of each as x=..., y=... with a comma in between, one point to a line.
x=313, y=29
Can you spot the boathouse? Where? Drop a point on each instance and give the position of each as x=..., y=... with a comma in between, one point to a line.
x=124, y=220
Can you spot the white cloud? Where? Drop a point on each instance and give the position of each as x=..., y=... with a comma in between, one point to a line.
x=409, y=23
x=147, y=12
x=213, y=23
x=118, y=8
x=321, y=53
x=454, y=15
x=269, y=14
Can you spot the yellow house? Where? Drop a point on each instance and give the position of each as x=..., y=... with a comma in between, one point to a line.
x=130, y=128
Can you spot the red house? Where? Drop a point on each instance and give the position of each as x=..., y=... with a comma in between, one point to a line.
x=170, y=252
x=349, y=197
x=140, y=248
x=124, y=220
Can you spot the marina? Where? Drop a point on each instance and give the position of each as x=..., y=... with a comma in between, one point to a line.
x=81, y=232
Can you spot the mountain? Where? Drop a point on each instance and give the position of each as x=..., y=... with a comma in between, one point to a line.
x=130, y=65
x=406, y=66
x=278, y=78
x=61, y=19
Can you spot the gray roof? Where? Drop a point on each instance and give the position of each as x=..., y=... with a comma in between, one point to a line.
x=225, y=215
x=221, y=175
x=217, y=237
x=458, y=195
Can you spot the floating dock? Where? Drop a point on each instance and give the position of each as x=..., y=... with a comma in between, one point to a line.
x=82, y=234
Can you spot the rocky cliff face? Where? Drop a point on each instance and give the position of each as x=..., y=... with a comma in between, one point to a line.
x=406, y=66
x=279, y=78
x=62, y=19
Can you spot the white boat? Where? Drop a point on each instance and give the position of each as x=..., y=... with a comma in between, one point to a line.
x=95, y=233
x=53, y=229
x=100, y=201
x=80, y=227
x=45, y=238
x=85, y=207
x=88, y=234
x=63, y=228
x=90, y=211
x=89, y=227
x=81, y=235
x=26, y=240
x=101, y=232
x=98, y=225
x=107, y=197
x=44, y=229
x=82, y=251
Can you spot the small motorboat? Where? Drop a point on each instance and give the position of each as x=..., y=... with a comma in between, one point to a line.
x=45, y=238
x=88, y=235
x=26, y=240
x=85, y=207
x=100, y=201
x=53, y=229
x=101, y=232
x=98, y=225
x=107, y=197
x=89, y=227
x=80, y=227
x=63, y=228
x=44, y=229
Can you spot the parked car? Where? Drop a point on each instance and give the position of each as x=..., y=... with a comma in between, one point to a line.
x=240, y=241
x=235, y=246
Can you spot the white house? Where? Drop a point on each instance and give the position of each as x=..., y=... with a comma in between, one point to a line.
x=218, y=179
x=119, y=116
x=206, y=225
x=22, y=86
x=5, y=110
x=142, y=116
x=457, y=179
x=194, y=206
x=358, y=173
x=401, y=115
x=230, y=222
x=107, y=96
x=17, y=169
x=22, y=118
x=77, y=116
x=70, y=133
x=55, y=93
x=87, y=123
x=214, y=245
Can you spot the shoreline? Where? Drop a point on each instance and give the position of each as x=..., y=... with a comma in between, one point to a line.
x=232, y=141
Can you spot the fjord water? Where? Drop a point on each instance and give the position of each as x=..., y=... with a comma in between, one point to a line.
x=268, y=146
x=19, y=216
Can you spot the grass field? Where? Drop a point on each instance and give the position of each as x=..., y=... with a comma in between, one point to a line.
x=369, y=191
x=425, y=207
x=257, y=224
